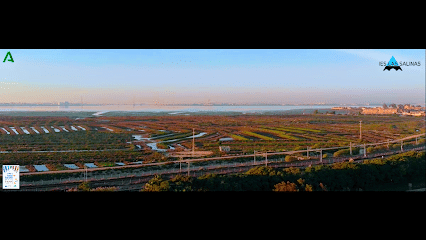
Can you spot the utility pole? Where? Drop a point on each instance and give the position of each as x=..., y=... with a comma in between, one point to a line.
x=193, y=138
x=321, y=155
x=360, y=132
x=266, y=159
x=401, y=147
x=254, y=159
x=307, y=151
x=365, y=151
x=350, y=148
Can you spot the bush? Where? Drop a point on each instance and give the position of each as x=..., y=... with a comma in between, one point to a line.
x=84, y=186
x=341, y=152
x=370, y=150
x=261, y=170
x=156, y=184
x=285, y=187
x=289, y=158
x=292, y=171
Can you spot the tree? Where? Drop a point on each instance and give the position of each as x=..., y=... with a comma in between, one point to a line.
x=308, y=188
x=285, y=187
x=292, y=170
x=316, y=111
x=261, y=170
x=385, y=106
x=156, y=184
x=392, y=105
x=84, y=186
x=181, y=183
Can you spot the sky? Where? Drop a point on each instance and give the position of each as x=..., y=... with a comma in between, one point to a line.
x=167, y=76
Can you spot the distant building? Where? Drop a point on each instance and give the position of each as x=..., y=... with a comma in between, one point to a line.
x=379, y=110
x=414, y=113
x=224, y=148
x=405, y=111
x=407, y=107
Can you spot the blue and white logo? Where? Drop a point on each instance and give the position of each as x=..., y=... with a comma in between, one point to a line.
x=10, y=176
x=392, y=64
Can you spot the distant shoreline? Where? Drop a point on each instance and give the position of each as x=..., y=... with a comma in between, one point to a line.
x=177, y=105
x=85, y=114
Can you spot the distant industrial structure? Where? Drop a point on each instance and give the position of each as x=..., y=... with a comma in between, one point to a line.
x=405, y=110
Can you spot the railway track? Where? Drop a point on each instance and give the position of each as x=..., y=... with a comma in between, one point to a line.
x=132, y=182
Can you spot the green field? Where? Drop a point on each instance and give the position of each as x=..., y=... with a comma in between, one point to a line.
x=258, y=135
x=249, y=131
x=237, y=137
x=280, y=134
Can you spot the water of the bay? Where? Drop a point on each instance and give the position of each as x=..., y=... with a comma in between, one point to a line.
x=171, y=109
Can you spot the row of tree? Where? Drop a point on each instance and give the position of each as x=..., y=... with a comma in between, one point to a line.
x=405, y=167
x=400, y=106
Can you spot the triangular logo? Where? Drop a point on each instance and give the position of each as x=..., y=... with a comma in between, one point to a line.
x=11, y=58
x=392, y=64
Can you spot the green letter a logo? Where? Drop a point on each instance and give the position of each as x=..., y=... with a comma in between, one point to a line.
x=11, y=58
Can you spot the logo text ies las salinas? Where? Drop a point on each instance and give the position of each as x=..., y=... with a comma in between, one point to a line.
x=393, y=64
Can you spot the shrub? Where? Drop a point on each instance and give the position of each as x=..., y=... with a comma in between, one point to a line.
x=292, y=170
x=156, y=184
x=370, y=150
x=84, y=186
x=341, y=152
x=285, y=187
x=289, y=158
x=261, y=170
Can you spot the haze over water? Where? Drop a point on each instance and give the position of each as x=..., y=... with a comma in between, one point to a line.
x=157, y=108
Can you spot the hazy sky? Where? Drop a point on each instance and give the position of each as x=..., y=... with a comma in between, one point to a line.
x=195, y=76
